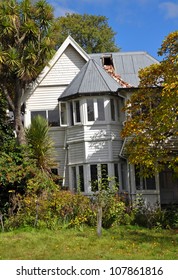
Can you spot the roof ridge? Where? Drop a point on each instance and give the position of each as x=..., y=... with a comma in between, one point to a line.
x=98, y=69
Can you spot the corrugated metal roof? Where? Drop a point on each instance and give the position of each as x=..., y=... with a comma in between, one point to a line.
x=127, y=64
x=91, y=79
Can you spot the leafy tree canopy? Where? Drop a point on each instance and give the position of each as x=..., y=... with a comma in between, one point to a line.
x=91, y=32
x=151, y=126
x=26, y=44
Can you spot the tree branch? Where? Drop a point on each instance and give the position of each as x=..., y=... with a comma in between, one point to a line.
x=7, y=96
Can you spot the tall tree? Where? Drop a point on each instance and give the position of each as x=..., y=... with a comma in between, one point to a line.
x=26, y=43
x=91, y=32
x=152, y=122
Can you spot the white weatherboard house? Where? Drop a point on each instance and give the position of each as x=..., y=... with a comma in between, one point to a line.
x=82, y=97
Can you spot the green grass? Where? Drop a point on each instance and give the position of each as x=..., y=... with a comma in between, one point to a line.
x=124, y=242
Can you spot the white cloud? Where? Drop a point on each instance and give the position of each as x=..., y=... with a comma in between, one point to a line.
x=170, y=9
x=60, y=8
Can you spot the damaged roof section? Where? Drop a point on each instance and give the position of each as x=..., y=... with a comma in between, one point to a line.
x=124, y=66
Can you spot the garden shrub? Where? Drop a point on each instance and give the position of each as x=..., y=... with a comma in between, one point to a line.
x=153, y=216
x=54, y=208
x=50, y=208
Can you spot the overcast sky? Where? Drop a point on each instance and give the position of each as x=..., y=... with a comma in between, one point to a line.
x=141, y=25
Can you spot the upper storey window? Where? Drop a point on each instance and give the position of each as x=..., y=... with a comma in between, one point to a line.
x=116, y=109
x=95, y=109
x=75, y=115
x=63, y=113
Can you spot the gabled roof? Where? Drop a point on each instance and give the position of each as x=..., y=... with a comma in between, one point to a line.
x=92, y=79
x=127, y=64
x=69, y=41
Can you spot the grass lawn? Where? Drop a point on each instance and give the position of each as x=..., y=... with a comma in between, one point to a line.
x=123, y=242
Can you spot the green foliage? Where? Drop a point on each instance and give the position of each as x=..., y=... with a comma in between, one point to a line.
x=152, y=113
x=153, y=216
x=6, y=132
x=50, y=207
x=26, y=44
x=91, y=32
x=40, y=144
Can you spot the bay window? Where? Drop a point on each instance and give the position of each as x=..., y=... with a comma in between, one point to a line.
x=95, y=109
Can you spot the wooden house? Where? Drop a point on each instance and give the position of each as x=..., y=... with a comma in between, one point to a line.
x=82, y=97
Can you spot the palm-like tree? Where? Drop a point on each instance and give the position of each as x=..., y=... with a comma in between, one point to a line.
x=40, y=144
x=26, y=44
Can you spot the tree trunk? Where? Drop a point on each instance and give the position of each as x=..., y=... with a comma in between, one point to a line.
x=19, y=128
x=99, y=220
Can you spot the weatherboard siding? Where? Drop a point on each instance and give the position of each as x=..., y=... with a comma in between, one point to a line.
x=44, y=98
x=97, y=151
x=65, y=68
x=76, y=153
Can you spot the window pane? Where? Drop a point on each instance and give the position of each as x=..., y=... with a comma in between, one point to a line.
x=74, y=178
x=53, y=117
x=77, y=111
x=112, y=109
x=71, y=114
x=94, y=177
x=81, y=178
x=36, y=113
x=104, y=174
x=63, y=113
x=151, y=183
x=90, y=109
x=124, y=175
x=116, y=174
x=101, y=115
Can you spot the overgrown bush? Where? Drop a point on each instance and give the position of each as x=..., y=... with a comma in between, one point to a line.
x=153, y=216
x=54, y=208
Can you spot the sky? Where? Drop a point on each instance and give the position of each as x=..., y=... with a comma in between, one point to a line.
x=140, y=25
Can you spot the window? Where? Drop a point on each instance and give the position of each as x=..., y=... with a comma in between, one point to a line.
x=81, y=178
x=143, y=183
x=101, y=114
x=112, y=108
x=94, y=177
x=123, y=175
x=116, y=106
x=77, y=111
x=74, y=178
x=51, y=115
x=95, y=109
x=40, y=113
x=90, y=110
x=168, y=179
x=116, y=173
x=71, y=114
x=104, y=174
x=63, y=111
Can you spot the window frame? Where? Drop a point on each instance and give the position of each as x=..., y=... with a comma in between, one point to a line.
x=95, y=110
x=76, y=114
x=118, y=104
x=66, y=115
x=143, y=181
x=76, y=179
x=46, y=111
